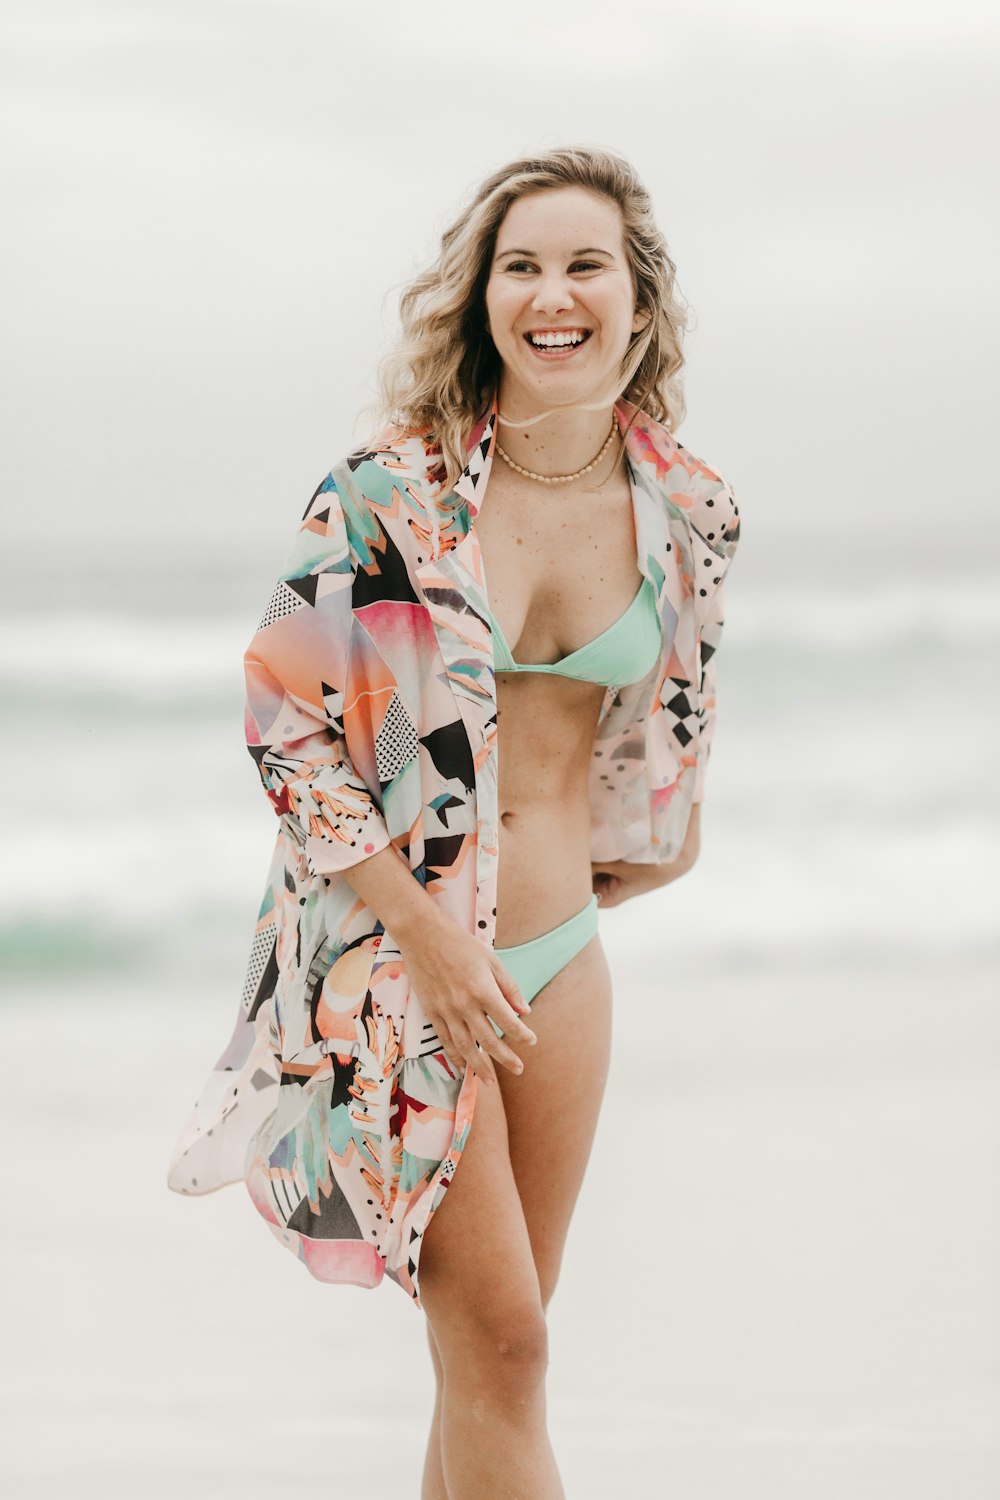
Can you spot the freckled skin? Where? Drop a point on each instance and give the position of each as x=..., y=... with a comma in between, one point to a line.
x=546, y=722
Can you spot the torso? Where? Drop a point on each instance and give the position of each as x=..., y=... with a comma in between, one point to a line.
x=560, y=565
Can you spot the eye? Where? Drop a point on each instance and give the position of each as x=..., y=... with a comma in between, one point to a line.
x=578, y=265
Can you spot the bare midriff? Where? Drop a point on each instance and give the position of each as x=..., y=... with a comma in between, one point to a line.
x=560, y=569
x=545, y=728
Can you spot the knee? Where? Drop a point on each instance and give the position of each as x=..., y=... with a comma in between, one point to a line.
x=503, y=1346
x=548, y=1275
x=520, y=1347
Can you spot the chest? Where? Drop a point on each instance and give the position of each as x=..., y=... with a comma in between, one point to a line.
x=558, y=567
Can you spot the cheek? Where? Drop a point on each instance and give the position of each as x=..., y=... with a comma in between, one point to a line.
x=615, y=315
x=502, y=309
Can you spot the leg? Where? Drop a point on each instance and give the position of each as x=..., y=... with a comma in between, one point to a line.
x=432, y=1485
x=557, y=1100
x=479, y=1289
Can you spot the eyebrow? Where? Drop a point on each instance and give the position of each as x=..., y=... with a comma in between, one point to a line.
x=533, y=254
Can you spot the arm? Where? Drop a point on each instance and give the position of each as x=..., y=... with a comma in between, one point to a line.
x=615, y=881
x=301, y=722
x=298, y=727
x=618, y=880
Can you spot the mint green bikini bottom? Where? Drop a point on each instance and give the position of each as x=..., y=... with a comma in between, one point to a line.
x=534, y=963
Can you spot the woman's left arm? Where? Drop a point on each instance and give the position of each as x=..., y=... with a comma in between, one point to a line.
x=616, y=881
x=619, y=880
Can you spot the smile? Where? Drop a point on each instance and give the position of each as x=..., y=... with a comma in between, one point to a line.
x=561, y=343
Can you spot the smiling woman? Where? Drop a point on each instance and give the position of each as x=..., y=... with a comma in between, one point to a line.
x=564, y=305
x=481, y=700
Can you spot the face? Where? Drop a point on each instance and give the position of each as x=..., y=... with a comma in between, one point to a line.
x=560, y=304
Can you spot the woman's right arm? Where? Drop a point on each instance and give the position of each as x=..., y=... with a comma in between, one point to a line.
x=299, y=734
x=460, y=981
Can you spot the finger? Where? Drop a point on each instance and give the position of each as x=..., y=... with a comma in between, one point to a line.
x=515, y=1001
x=451, y=1047
x=489, y=1041
x=511, y=1025
x=448, y=1047
x=475, y=1056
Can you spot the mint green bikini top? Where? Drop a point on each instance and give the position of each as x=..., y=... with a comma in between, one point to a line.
x=620, y=655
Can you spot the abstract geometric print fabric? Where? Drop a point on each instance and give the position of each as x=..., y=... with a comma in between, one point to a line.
x=371, y=716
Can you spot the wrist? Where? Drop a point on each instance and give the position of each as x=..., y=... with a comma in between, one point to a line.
x=418, y=917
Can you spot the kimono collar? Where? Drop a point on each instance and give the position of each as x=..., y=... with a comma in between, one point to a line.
x=648, y=444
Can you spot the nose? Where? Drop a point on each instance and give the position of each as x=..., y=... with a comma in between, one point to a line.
x=553, y=294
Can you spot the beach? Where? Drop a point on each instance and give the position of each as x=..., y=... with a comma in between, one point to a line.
x=803, y=1095
x=781, y=1278
x=807, y=1309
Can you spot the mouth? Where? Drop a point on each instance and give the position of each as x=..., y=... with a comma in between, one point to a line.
x=556, y=343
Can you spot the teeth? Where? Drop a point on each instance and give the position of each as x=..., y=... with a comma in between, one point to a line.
x=555, y=340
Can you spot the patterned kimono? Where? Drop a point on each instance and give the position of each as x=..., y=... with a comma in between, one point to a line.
x=372, y=717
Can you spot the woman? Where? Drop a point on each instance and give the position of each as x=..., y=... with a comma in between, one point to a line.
x=462, y=774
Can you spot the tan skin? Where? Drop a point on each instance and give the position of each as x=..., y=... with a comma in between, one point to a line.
x=560, y=563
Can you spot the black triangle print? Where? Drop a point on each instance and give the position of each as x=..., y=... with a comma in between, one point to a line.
x=391, y=580
x=304, y=587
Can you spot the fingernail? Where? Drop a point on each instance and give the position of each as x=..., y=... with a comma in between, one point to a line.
x=532, y=1040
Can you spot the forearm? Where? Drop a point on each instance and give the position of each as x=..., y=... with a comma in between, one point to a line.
x=386, y=884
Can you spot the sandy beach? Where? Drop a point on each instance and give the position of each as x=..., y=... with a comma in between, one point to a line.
x=811, y=1311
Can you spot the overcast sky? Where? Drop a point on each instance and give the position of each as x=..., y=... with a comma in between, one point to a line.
x=210, y=209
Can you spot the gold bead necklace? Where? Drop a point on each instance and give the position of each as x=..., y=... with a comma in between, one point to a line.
x=559, y=478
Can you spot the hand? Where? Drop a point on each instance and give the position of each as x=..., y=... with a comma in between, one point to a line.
x=616, y=881
x=461, y=984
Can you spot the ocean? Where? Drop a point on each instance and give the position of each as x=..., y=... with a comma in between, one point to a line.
x=810, y=1124
x=851, y=809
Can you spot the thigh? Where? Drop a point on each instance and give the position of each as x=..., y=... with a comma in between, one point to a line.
x=552, y=1108
x=477, y=1273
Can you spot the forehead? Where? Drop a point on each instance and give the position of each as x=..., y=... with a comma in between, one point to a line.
x=555, y=216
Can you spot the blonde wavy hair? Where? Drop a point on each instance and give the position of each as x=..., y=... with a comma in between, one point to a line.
x=441, y=374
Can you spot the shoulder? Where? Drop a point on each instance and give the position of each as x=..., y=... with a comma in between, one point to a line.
x=710, y=502
x=396, y=471
x=395, y=475
x=697, y=489
x=393, y=457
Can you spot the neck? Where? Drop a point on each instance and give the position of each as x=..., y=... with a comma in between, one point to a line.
x=562, y=442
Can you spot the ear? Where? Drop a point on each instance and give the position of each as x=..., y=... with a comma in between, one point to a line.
x=641, y=318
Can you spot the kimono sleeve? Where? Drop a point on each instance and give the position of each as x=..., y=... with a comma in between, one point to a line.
x=298, y=727
x=710, y=638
